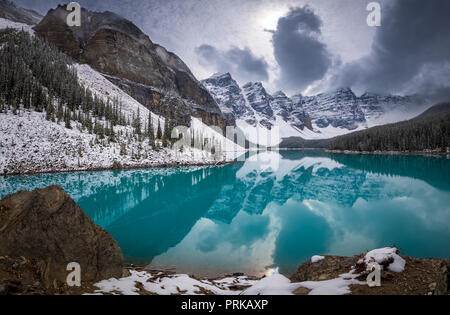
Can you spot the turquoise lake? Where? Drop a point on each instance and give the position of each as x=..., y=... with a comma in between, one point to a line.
x=276, y=209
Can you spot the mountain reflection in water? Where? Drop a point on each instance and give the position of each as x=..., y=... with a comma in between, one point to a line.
x=274, y=209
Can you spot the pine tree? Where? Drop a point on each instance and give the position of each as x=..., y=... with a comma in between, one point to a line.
x=137, y=124
x=67, y=119
x=159, y=131
x=150, y=130
x=50, y=110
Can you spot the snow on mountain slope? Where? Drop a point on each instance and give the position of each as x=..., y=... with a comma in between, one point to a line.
x=31, y=144
x=339, y=109
x=4, y=23
x=322, y=116
x=99, y=85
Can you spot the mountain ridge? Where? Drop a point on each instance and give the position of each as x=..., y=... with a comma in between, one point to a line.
x=127, y=57
x=322, y=116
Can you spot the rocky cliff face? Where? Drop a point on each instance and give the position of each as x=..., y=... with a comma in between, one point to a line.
x=127, y=57
x=253, y=104
x=47, y=226
x=339, y=109
x=229, y=97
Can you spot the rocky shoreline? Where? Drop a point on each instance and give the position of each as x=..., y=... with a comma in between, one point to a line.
x=430, y=153
x=121, y=168
x=34, y=262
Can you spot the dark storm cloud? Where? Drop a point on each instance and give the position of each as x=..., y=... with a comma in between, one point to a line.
x=302, y=57
x=241, y=63
x=414, y=37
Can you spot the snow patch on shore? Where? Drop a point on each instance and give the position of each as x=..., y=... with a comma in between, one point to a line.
x=273, y=284
x=167, y=285
x=385, y=254
x=337, y=286
x=316, y=259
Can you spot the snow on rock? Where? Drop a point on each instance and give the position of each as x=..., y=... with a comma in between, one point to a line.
x=337, y=286
x=168, y=285
x=273, y=285
x=316, y=259
x=383, y=255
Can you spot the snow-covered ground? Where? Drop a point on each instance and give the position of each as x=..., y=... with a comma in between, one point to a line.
x=273, y=284
x=4, y=23
x=106, y=90
x=167, y=285
x=31, y=144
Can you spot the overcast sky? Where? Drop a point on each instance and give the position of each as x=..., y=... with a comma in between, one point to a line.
x=306, y=46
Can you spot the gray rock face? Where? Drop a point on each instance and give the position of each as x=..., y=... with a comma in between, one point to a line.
x=375, y=106
x=229, y=97
x=126, y=56
x=339, y=109
x=48, y=226
x=258, y=98
x=291, y=110
x=253, y=104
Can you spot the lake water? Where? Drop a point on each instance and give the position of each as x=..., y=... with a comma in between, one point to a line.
x=273, y=210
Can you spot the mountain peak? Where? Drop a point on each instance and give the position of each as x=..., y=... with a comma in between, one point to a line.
x=279, y=94
x=222, y=75
x=346, y=90
x=221, y=80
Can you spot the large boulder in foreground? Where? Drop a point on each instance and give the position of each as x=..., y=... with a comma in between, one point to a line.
x=46, y=225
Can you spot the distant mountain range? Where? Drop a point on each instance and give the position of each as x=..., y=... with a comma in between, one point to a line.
x=309, y=117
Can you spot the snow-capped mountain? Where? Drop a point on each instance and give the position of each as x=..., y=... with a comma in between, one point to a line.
x=338, y=109
x=310, y=117
x=254, y=109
